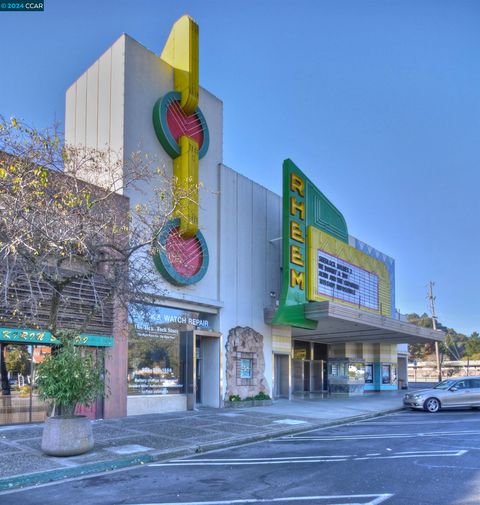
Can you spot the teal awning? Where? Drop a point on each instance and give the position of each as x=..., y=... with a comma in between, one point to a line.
x=30, y=336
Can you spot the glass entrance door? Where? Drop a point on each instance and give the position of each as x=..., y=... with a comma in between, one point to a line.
x=306, y=376
x=198, y=369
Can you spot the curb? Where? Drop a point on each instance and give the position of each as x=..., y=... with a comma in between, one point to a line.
x=59, y=474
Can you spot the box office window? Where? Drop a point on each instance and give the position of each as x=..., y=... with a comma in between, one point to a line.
x=338, y=369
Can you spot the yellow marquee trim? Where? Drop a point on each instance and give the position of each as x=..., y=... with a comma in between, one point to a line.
x=317, y=239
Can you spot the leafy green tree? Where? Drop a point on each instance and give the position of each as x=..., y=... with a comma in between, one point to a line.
x=17, y=360
x=453, y=347
x=70, y=376
x=472, y=346
x=421, y=351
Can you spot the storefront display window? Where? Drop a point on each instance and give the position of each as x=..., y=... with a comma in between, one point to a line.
x=160, y=354
x=19, y=401
x=386, y=374
x=369, y=373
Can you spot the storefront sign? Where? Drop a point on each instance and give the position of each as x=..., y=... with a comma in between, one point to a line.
x=29, y=336
x=164, y=322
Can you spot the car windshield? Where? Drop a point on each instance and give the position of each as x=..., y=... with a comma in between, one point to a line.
x=445, y=384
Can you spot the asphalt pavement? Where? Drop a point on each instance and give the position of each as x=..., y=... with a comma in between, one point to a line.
x=140, y=440
x=404, y=458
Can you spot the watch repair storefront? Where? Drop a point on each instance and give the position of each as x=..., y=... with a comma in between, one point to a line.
x=174, y=360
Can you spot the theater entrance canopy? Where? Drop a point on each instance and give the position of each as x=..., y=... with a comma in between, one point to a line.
x=337, y=323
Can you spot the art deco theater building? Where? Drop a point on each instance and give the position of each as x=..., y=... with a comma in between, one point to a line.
x=257, y=292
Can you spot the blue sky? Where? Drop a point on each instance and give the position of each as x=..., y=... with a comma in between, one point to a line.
x=377, y=101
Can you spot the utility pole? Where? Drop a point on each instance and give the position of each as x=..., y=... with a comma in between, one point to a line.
x=434, y=323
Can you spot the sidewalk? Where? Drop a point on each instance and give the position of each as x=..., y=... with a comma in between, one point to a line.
x=136, y=440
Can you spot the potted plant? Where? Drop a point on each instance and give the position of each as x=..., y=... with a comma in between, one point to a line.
x=233, y=402
x=69, y=376
x=262, y=400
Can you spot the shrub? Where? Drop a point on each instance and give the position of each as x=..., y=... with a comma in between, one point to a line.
x=262, y=396
x=70, y=375
x=234, y=398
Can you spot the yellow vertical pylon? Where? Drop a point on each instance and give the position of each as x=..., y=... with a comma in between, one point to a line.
x=181, y=52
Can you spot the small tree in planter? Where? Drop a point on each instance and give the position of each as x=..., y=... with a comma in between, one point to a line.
x=67, y=377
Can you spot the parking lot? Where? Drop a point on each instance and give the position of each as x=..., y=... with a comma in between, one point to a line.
x=407, y=458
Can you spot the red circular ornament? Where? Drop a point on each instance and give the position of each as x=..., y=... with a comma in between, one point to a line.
x=184, y=254
x=182, y=125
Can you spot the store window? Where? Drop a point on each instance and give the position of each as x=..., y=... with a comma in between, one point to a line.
x=160, y=349
x=19, y=400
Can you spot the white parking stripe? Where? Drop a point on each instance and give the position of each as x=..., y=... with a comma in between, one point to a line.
x=272, y=459
x=244, y=463
x=307, y=459
x=374, y=499
x=413, y=455
x=387, y=435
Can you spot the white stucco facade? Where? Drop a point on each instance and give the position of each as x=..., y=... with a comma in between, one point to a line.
x=110, y=107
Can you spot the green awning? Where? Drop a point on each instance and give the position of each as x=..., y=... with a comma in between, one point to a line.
x=30, y=336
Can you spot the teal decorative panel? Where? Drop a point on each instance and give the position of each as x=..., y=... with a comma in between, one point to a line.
x=42, y=337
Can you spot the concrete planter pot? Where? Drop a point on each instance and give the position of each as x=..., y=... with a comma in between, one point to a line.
x=67, y=436
x=238, y=405
x=262, y=403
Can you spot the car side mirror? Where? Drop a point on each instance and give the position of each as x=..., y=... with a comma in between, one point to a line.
x=453, y=389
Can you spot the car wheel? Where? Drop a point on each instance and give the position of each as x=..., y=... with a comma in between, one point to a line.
x=431, y=405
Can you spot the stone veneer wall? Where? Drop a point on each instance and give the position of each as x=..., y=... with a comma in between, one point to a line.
x=246, y=343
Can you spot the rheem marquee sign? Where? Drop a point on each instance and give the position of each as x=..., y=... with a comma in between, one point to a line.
x=319, y=262
x=340, y=279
